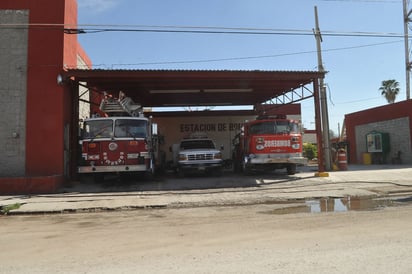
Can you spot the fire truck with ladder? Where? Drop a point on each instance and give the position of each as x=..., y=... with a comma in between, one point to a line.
x=268, y=143
x=124, y=141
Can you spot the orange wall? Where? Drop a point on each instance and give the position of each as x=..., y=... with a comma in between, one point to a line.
x=44, y=98
x=48, y=104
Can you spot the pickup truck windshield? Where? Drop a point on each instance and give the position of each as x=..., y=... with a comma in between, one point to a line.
x=197, y=144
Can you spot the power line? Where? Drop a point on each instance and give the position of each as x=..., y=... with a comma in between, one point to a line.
x=289, y=33
x=90, y=29
x=217, y=30
x=249, y=57
x=360, y=100
x=365, y=1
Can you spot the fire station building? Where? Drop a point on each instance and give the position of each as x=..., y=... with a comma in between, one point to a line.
x=46, y=75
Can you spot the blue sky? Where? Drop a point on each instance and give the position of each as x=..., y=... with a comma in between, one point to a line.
x=356, y=65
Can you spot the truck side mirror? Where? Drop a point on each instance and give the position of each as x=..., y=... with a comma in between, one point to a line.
x=154, y=129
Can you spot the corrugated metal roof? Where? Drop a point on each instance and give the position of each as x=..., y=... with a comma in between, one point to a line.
x=193, y=70
x=158, y=87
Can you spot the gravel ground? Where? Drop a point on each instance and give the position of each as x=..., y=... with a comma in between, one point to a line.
x=241, y=239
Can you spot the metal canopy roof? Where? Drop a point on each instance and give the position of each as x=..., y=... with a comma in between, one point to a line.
x=159, y=88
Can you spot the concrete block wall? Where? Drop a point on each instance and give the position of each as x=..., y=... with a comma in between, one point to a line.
x=84, y=94
x=399, y=135
x=13, y=91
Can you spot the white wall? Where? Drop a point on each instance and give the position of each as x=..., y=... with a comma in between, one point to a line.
x=84, y=108
x=222, y=129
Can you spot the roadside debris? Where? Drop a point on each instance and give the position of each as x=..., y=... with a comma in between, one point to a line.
x=5, y=209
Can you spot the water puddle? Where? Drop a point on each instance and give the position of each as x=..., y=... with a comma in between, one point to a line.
x=340, y=205
x=346, y=204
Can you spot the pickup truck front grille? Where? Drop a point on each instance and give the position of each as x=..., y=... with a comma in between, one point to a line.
x=199, y=157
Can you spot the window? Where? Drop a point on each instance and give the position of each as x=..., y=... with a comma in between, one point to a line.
x=197, y=144
x=274, y=127
x=95, y=129
x=130, y=128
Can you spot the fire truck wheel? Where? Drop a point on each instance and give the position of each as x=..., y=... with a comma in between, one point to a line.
x=291, y=169
x=218, y=171
x=236, y=167
x=98, y=177
x=150, y=174
x=246, y=169
x=180, y=173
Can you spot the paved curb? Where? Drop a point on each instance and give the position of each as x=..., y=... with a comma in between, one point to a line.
x=390, y=180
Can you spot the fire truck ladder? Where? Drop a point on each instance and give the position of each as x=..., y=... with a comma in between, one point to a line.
x=114, y=106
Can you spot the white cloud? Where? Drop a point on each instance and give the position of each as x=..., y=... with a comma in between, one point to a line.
x=97, y=6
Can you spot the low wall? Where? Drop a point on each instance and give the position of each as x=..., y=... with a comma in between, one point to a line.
x=30, y=185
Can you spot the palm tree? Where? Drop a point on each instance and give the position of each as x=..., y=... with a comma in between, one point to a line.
x=390, y=89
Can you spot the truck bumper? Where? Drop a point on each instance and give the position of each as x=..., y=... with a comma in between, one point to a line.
x=112, y=169
x=200, y=166
x=275, y=159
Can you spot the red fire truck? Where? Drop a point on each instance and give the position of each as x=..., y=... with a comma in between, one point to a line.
x=122, y=141
x=268, y=143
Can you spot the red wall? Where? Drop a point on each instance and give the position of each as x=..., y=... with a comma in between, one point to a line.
x=48, y=104
x=383, y=113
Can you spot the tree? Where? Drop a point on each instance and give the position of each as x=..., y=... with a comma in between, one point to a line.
x=310, y=151
x=390, y=89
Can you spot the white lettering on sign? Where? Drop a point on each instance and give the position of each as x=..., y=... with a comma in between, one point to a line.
x=277, y=143
x=210, y=127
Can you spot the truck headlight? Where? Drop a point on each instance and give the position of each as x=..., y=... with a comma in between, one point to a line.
x=218, y=155
x=182, y=157
x=132, y=155
x=260, y=147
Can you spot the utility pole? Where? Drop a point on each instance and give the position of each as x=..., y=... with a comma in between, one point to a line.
x=406, y=20
x=322, y=97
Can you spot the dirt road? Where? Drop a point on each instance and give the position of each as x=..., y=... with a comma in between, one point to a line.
x=244, y=239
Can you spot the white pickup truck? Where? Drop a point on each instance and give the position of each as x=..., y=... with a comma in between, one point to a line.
x=198, y=155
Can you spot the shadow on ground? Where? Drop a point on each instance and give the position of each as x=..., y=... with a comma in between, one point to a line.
x=171, y=182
